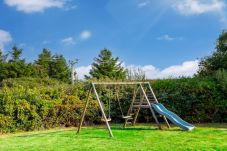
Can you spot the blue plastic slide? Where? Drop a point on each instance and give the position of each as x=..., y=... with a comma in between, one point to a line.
x=175, y=119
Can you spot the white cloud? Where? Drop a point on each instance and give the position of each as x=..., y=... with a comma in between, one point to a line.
x=191, y=7
x=31, y=6
x=5, y=38
x=68, y=41
x=82, y=71
x=86, y=34
x=143, y=4
x=166, y=37
x=187, y=69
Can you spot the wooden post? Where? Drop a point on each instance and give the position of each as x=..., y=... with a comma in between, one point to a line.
x=156, y=100
x=152, y=111
x=103, y=113
x=84, y=111
x=72, y=63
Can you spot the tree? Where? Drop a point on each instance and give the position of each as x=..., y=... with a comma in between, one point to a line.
x=59, y=68
x=16, y=67
x=43, y=63
x=134, y=73
x=15, y=54
x=216, y=61
x=2, y=66
x=1, y=57
x=106, y=66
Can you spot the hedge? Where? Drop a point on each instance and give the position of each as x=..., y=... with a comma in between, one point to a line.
x=29, y=103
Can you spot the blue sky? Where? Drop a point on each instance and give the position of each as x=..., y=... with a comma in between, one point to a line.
x=164, y=38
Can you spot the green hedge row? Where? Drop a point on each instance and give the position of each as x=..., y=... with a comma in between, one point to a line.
x=196, y=100
x=29, y=104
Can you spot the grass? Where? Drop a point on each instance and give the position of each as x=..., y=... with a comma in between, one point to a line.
x=142, y=137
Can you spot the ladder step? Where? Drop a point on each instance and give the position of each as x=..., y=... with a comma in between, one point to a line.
x=141, y=106
x=126, y=117
x=139, y=102
x=129, y=119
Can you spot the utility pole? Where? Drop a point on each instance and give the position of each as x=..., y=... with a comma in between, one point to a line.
x=72, y=63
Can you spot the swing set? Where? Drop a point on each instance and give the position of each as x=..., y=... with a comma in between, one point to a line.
x=142, y=97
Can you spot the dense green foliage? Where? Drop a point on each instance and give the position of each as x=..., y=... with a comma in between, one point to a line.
x=139, y=138
x=28, y=104
x=46, y=66
x=195, y=99
x=106, y=66
x=218, y=60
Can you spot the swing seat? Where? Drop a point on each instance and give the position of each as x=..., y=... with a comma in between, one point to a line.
x=108, y=119
x=126, y=117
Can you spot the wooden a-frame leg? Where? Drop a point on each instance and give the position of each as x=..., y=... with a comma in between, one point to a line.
x=166, y=121
x=152, y=111
x=103, y=113
x=84, y=111
x=156, y=100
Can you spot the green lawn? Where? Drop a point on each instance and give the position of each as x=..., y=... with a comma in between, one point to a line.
x=141, y=137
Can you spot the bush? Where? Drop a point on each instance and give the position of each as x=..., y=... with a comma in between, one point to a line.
x=29, y=104
x=194, y=99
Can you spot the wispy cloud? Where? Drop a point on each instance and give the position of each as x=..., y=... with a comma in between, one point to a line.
x=68, y=41
x=31, y=6
x=86, y=34
x=191, y=7
x=168, y=38
x=187, y=69
x=5, y=38
x=143, y=4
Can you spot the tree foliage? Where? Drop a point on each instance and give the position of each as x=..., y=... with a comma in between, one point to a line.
x=218, y=60
x=106, y=66
x=45, y=66
x=59, y=68
x=43, y=62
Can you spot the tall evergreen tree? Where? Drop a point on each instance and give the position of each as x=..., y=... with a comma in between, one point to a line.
x=43, y=63
x=1, y=56
x=218, y=60
x=16, y=66
x=16, y=54
x=106, y=66
x=59, y=68
x=2, y=69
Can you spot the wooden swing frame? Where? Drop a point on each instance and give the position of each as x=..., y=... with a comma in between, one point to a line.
x=139, y=85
